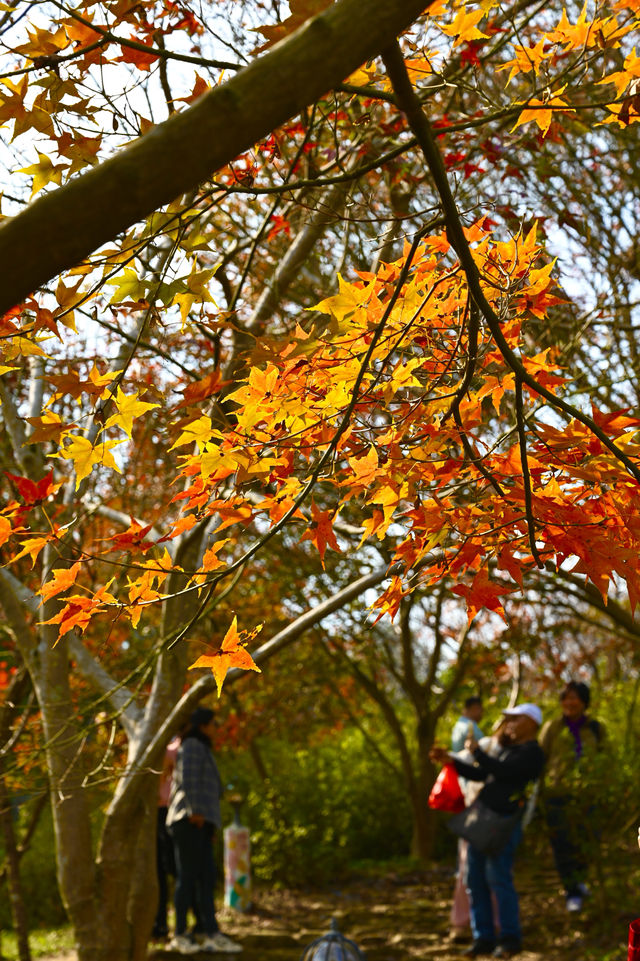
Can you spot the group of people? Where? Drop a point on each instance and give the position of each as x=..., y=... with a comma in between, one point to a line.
x=188, y=818
x=503, y=773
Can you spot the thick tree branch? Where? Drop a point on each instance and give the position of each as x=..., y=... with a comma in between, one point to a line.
x=61, y=228
x=119, y=697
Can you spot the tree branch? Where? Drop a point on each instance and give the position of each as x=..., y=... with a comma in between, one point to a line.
x=64, y=226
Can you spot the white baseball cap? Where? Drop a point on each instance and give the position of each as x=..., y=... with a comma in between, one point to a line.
x=530, y=710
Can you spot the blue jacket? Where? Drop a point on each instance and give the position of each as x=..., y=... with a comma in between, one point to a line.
x=196, y=787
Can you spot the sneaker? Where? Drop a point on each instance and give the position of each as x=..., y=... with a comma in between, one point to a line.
x=478, y=949
x=183, y=945
x=574, y=904
x=220, y=942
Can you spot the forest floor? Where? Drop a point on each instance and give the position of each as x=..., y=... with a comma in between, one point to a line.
x=401, y=913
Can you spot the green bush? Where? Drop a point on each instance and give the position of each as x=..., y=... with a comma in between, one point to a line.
x=322, y=808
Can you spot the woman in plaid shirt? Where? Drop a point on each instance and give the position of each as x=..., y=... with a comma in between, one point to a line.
x=192, y=819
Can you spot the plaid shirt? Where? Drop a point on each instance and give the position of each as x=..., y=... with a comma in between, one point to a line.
x=196, y=787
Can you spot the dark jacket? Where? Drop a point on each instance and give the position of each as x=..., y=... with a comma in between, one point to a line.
x=505, y=775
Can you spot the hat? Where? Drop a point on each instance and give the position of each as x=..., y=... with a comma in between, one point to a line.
x=529, y=710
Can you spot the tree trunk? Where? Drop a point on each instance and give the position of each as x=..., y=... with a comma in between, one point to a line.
x=64, y=743
x=14, y=883
x=424, y=821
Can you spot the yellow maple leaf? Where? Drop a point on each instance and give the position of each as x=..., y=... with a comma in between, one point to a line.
x=129, y=287
x=541, y=111
x=85, y=456
x=32, y=546
x=346, y=302
x=526, y=59
x=129, y=408
x=199, y=431
x=464, y=28
x=232, y=653
x=630, y=73
x=580, y=34
x=44, y=172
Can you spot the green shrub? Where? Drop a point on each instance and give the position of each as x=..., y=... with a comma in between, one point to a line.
x=322, y=808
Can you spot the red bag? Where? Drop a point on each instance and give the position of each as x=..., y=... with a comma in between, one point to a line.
x=446, y=794
x=634, y=941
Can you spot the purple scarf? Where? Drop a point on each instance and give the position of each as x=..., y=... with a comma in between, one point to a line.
x=574, y=727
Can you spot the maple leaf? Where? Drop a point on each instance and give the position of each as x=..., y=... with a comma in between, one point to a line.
x=320, y=532
x=134, y=536
x=79, y=610
x=365, y=468
x=129, y=287
x=200, y=86
x=580, y=34
x=232, y=653
x=32, y=546
x=627, y=76
x=346, y=302
x=5, y=530
x=129, y=408
x=526, y=59
x=389, y=602
x=464, y=27
x=33, y=493
x=197, y=431
x=541, y=111
x=61, y=581
x=85, y=456
x=201, y=389
x=44, y=172
x=482, y=593
x=48, y=427
x=140, y=58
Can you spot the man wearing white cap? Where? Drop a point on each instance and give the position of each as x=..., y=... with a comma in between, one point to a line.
x=505, y=777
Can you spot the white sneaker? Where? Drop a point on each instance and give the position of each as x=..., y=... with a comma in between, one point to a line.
x=220, y=942
x=574, y=904
x=183, y=945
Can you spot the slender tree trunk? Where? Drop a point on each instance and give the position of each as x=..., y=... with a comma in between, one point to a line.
x=14, y=883
x=424, y=821
x=64, y=743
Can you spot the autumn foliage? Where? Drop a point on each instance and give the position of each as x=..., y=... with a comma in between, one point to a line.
x=396, y=398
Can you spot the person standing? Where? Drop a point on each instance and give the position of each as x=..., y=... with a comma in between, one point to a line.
x=466, y=724
x=472, y=712
x=165, y=861
x=571, y=744
x=505, y=778
x=192, y=820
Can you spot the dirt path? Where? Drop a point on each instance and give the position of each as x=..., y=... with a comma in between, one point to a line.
x=401, y=915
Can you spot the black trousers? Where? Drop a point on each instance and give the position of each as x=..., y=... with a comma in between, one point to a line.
x=572, y=836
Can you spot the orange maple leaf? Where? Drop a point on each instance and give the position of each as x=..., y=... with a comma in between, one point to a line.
x=321, y=532
x=232, y=653
x=62, y=579
x=5, y=530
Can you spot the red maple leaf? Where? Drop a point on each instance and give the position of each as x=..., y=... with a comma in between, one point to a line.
x=31, y=492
